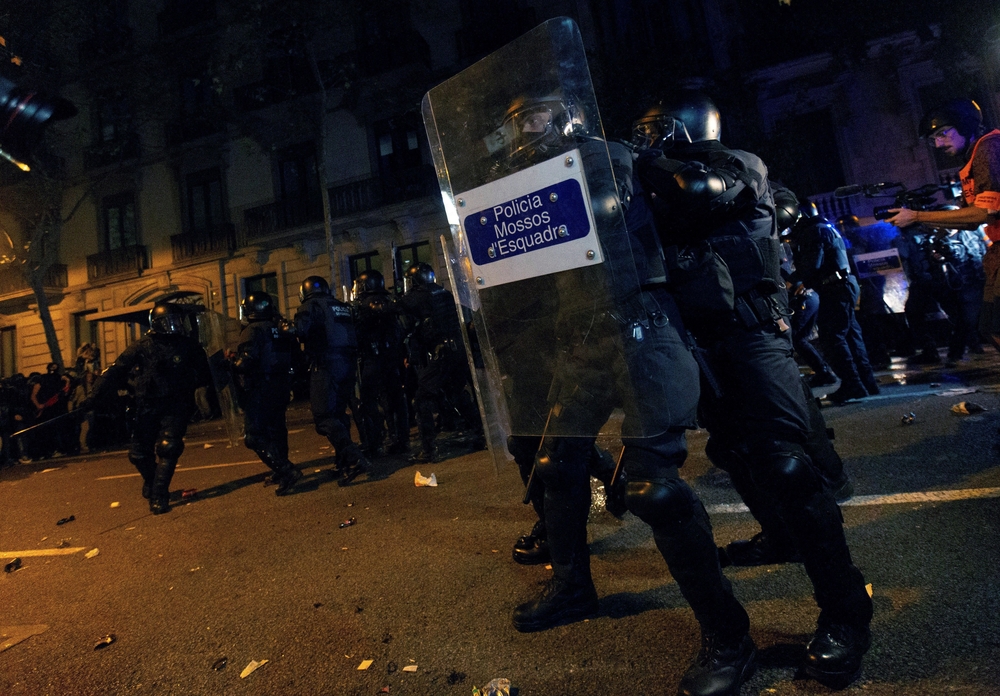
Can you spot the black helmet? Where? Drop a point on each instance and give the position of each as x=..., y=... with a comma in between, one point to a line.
x=687, y=116
x=257, y=306
x=419, y=274
x=167, y=319
x=369, y=281
x=964, y=115
x=786, y=208
x=541, y=126
x=313, y=285
x=848, y=222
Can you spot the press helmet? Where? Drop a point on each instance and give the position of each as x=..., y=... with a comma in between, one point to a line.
x=419, y=274
x=313, y=285
x=964, y=115
x=542, y=126
x=257, y=306
x=167, y=319
x=685, y=116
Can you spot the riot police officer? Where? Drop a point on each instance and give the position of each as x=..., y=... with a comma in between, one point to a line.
x=435, y=351
x=821, y=264
x=262, y=365
x=166, y=365
x=715, y=215
x=378, y=320
x=325, y=327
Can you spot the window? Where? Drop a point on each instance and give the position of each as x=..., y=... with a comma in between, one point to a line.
x=8, y=351
x=266, y=282
x=411, y=254
x=397, y=141
x=297, y=172
x=112, y=120
x=204, y=200
x=369, y=261
x=120, y=228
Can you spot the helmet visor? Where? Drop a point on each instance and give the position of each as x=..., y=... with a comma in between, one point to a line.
x=168, y=324
x=658, y=131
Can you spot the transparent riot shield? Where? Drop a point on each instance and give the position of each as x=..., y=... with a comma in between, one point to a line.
x=212, y=327
x=540, y=251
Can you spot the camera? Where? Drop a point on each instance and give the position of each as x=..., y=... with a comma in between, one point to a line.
x=23, y=116
x=881, y=212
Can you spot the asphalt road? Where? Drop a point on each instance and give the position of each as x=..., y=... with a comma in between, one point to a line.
x=424, y=578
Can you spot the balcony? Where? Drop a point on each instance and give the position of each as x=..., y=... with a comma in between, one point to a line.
x=283, y=214
x=215, y=241
x=13, y=279
x=368, y=194
x=126, y=261
x=112, y=152
x=184, y=14
x=188, y=129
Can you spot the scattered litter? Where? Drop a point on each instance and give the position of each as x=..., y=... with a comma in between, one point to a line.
x=63, y=543
x=115, y=504
x=189, y=493
x=91, y=553
x=195, y=568
x=384, y=690
x=868, y=588
x=105, y=641
x=12, y=566
x=316, y=471
x=64, y=520
x=954, y=392
x=419, y=480
x=908, y=418
x=129, y=529
x=220, y=664
x=350, y=521
x=967, y=407
x=317, y=605
x=250, y=668
x=410, y=668
x=209, y=445
x=365, y=664
x=497, y=687
x=45, y=471
x=387, y=638
x=44, y=538
x=350, y=505
x=392, y=667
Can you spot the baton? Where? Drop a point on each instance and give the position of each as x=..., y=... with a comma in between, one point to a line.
x=618, y=470
x=531, y=476
x=44, y=423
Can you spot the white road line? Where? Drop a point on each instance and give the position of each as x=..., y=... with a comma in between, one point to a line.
x=889, y=499
x=186, y=468
x=42, y=552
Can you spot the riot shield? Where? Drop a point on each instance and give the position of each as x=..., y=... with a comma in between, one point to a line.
x=541, y=252
x=212, y=336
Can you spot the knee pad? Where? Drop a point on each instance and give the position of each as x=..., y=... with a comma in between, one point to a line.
x=661, y=503
x=787, y=475
x=140, y=460
x=169, y=446
x=561, y=463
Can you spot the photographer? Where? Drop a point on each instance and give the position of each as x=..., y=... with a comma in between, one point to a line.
x=957, y=128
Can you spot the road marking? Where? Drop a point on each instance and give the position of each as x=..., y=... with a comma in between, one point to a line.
x=888, y=499
x=42, y=552
x=186, y=468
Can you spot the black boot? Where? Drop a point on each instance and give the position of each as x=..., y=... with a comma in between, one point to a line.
x=352, y=471
x=834, y=655
x=569, y=596
x=424, y=456
x=760, y=549
x=721, y=667
x=533, y=548
x=159, y=500
x=822, y=379
x=286, y=477
x=848, y=392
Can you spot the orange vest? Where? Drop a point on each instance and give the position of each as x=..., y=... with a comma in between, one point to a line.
x=985, y=199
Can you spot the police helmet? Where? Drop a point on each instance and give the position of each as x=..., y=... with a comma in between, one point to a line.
x=167, y=319
x=786, y=208
x=542, y=126
x=313, y=285
x=848, y=222
x=419, y=274
x=257, y=306
x=964, y=115
x=369, y=281
x=686, y=116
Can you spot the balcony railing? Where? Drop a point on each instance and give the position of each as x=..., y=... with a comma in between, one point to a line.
x=218, y=240
x=109, y=153
x=374, y=192
x=13, y=279
x=284, y=214
x=130, y=260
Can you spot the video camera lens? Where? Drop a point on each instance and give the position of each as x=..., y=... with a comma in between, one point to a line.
x=24, y=115
x=881, y=212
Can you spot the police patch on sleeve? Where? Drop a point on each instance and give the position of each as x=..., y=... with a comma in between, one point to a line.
x=531, y=223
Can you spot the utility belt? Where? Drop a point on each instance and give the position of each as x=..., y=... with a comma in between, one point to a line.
x=836, y=277
x=755, y=310
x=442, y=350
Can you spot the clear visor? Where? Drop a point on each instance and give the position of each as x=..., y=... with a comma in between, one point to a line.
x=660, y=131
x=169, y=324
x=538, y=124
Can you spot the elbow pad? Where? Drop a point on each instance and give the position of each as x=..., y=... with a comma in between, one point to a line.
x=699, y=183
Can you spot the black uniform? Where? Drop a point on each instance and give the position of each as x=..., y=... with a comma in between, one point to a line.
x=436, y=352
x=821, y=263
x=755, y=407
x=165, y=370
x=326, y=328
x=378, y=320
x=263, y=368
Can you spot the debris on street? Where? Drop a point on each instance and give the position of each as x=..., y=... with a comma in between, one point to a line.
x=64, y=520
x=410, y=668
x=497, y=687
x=350, y=521
x=93, y=552
x=220, y=664
x=420, y=481
x=115, y=504
x=12, y=566
x=105, y=641
x=908, y=418
x=365, y=664
x=966, y=408
x=252, y=667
